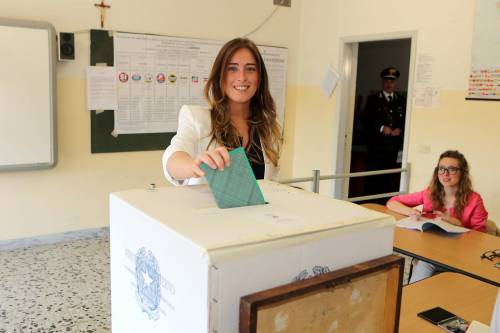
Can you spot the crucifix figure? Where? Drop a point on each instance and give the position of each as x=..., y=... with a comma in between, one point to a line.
x=102, y=7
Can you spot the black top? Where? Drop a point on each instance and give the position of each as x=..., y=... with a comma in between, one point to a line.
x=381, y=112
x=256, y=157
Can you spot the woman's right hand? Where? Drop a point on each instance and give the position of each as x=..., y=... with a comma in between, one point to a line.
x=217, y=158
x=415, y=214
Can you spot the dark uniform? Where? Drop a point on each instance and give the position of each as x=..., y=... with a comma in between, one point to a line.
x=382, y=149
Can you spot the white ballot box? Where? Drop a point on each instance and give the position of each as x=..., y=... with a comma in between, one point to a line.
x=180, y=264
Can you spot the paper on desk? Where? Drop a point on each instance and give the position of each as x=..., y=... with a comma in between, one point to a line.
x=101, y=88
x=424, y=225
x=477, y=327
x=236, y=186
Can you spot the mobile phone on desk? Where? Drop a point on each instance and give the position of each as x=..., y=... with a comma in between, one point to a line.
x=436, y=315
x=445, y=320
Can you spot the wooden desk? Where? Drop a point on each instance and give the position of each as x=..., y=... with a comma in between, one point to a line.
x=383, y=209
x=468, y=298
x=457, y=253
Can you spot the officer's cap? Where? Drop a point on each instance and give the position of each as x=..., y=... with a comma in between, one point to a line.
x=390, y=73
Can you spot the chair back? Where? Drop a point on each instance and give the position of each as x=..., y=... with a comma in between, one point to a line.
x=492, y=228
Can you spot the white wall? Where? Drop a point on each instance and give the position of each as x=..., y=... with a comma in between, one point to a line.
x=444, y=30
x=74, y=195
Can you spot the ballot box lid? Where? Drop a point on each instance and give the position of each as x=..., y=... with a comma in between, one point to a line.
x=191, y=213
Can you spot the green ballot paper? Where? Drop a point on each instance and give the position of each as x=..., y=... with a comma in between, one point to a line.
x=236, y=186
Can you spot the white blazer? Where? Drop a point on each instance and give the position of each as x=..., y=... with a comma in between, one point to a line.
x=193, y=136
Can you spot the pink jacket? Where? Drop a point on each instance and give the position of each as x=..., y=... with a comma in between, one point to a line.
x=474, y=215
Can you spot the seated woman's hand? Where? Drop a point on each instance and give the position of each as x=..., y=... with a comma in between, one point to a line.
x=415, y=214
x=217, y=158
x=445, y=217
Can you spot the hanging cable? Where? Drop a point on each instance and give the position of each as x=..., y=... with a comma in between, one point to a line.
x=265, y=20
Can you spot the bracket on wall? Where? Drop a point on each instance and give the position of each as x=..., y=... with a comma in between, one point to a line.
x=285, y=3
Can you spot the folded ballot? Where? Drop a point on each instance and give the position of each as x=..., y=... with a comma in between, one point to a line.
x=236, y=185
x=426, y=224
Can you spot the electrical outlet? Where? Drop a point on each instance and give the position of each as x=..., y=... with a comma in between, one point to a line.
x=286, y=3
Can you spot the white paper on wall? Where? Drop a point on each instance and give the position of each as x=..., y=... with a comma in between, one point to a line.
x=484, y=78
x=330, y=82
x=156, y=75
x=425, y=92
x=101, y=88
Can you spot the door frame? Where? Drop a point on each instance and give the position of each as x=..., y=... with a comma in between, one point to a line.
x=348, y=62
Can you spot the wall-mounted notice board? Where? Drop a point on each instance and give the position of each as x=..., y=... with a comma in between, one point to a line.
x=102, y=123
x=27, y=95
x=155, y=76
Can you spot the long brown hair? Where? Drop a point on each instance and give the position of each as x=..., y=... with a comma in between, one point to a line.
x=262, y=118
x=464, y=186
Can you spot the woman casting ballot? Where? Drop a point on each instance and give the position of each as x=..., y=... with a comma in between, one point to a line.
x=449, y=197
x=241, y=112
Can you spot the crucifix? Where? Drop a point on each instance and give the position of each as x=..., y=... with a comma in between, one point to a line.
x=102, y=7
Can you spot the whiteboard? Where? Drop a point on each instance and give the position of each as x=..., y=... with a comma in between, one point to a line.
x=27, y=95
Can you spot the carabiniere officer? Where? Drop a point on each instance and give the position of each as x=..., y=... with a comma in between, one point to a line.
x=385, y=114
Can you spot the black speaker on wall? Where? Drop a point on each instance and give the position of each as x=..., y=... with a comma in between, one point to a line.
x=66, y=46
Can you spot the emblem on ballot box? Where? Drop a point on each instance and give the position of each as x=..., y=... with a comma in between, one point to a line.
x=153, y=291
x=316, y=271
x=148, y=281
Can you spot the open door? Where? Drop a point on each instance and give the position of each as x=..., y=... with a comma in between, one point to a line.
x=378, y=74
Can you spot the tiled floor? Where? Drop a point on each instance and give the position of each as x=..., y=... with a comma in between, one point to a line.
x=53, y=288
x=61, y=287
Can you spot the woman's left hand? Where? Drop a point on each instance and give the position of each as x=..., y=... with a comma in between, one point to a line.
x=447, y=218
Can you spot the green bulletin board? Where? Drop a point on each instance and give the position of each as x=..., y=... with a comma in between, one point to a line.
x=102, y=124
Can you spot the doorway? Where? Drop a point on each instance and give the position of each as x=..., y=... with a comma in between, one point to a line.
x=359, y=148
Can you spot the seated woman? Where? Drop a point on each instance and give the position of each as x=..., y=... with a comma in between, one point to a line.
x=449, y=196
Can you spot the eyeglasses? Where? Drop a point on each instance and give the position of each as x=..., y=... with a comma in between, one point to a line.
x=450, y=170
x=490, y=255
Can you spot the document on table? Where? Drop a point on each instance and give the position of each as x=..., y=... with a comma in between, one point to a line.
x=236, y=186
x=424, y=225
